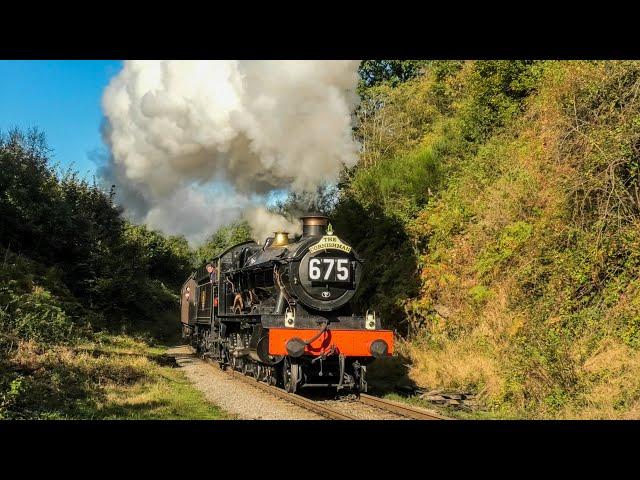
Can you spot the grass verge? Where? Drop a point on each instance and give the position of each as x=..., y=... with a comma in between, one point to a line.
x=108, y=377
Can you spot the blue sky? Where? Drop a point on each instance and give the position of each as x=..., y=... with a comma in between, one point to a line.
x=61, y=98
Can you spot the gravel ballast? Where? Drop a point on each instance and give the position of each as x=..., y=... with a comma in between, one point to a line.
x=237, y=398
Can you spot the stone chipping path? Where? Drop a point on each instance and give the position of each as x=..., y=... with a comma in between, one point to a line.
x=237, y=398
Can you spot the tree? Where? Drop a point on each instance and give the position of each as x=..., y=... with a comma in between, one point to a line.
x=72, y=230
x=393, y=72
x=225, y=237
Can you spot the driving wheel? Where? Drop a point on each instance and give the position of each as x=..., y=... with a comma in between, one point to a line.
x=290, y=375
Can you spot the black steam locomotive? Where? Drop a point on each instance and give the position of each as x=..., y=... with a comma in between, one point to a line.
x=281, y=311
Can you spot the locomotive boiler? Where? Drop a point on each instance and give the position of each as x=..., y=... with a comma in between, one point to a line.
x=281, y=311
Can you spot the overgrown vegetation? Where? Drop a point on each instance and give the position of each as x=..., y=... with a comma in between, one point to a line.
x=500, y=205
x=75, y=274
x=496, y=205
x=106, y=376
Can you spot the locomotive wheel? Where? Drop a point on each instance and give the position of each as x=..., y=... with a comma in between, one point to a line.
x=204, y=345
x=270, y=375
x=362, y=387
x=196, y=341
x=223, y=359
x=290, y=375
x=222, y=363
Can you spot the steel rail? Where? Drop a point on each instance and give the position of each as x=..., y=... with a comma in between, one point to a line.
x=293, y=398
x=290, y=397
x=377, y=402
x=398, y=408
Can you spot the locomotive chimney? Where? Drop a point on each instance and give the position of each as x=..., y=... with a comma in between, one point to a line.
x=314, y=225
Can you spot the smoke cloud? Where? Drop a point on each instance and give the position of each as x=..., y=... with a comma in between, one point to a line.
x=264, y=223
x=195, y=143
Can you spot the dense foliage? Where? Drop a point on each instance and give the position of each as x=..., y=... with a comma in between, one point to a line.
x=223, y=238
x=499, y=203
x=72, y=231
x=496, y=205
x=393, y=72
x=71, y=264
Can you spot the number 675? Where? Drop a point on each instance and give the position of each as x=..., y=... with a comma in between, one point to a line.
x=323, y=268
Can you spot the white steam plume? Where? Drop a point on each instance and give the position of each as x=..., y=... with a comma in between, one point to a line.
x=175, y=128
x=265, y=223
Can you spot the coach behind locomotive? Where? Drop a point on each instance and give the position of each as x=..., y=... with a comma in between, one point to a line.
x=282, y=311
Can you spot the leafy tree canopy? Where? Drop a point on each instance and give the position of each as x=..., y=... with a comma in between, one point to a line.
x=223, y=238
x=375, y=72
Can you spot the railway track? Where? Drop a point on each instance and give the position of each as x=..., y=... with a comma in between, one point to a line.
x=323, y=410
x=396, y=410
x=401, y=409
x=299, y=400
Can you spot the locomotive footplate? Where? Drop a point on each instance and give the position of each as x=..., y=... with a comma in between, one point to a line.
x=343, y=322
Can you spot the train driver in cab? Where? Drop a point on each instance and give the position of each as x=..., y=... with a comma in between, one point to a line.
x=213, y=273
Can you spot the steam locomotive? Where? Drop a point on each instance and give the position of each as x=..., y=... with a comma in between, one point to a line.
x=281, y=311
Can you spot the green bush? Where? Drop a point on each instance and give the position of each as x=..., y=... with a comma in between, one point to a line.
x=496, y=94
x=89, y=262
x=400, y=185
x=35, y=316
x=508, y=243
x=10, y=397
x=225, y=237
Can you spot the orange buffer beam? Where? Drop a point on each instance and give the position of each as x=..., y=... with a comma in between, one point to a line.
x=352, y=343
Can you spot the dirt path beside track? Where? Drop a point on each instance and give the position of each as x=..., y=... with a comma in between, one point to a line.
x=239, y=399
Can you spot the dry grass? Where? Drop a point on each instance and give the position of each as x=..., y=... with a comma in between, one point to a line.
x=113, y=377
x=520, y=330
x=611, y=389
x=461, y=364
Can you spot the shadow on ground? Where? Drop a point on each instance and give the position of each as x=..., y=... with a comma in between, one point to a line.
x=386, y=375
x=390, y=375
